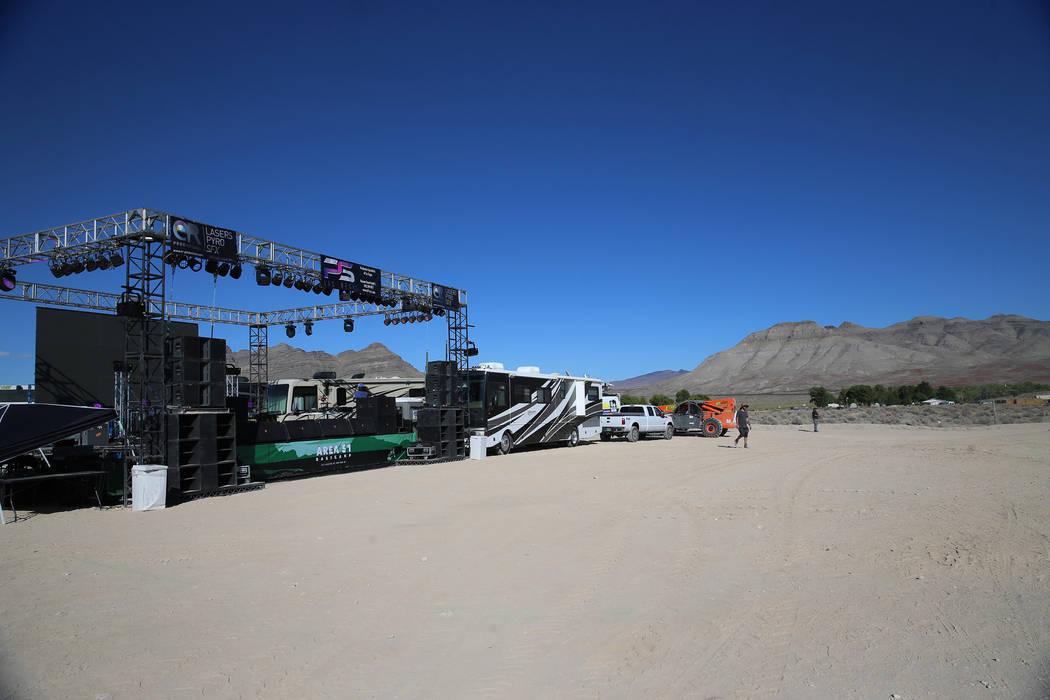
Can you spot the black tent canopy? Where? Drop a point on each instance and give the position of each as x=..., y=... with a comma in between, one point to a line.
x=26, y=426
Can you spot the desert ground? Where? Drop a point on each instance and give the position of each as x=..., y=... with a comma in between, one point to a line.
x=864, y=561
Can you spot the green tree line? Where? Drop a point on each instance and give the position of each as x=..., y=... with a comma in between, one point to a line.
x=864, y=395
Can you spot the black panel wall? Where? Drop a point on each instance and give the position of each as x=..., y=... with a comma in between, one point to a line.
x=75, y=352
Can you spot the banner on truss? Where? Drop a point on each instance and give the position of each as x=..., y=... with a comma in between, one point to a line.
x=355, y=279
x=203, y=241
x=445, y=297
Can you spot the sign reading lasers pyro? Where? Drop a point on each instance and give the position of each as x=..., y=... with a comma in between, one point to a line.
x=358, y=280
x=194, y=238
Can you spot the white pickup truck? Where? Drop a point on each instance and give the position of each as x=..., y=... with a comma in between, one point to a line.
x=635, y=421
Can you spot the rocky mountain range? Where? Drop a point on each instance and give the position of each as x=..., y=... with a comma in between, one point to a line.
x=662, y=375
x=791, y=357
x=288, y=362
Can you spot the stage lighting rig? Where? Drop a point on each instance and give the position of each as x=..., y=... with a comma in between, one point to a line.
x=102, y=261
x=223, y=269
x=288, y=281
x=289, y=330
x=57, y=267
x=235, y=271
x=262, y=278
x=116, y=259
x=7, y=280
x=348, y=325
x=276, y=277
x=308, y=326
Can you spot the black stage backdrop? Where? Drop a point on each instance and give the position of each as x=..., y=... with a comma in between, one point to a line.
x=75, y=351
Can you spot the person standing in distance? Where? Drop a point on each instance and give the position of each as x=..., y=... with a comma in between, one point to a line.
x=362, y=392
x=743, y=425
x=816, y=417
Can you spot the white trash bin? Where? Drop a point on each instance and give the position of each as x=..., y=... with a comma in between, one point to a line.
x=477, y=447
x=149, y=486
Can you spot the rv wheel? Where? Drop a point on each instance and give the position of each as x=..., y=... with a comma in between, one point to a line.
x=505, y=443
x=574, y=438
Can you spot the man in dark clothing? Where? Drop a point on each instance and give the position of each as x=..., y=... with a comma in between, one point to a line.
x=743, y=425
x=816, y=417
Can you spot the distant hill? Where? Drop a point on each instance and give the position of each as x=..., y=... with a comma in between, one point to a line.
x=791, y=357
x=647, y=379
x=288, y=362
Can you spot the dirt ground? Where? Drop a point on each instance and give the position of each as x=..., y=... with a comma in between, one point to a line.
x=865, y=561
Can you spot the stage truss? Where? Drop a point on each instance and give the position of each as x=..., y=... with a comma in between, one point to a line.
x=143, y=237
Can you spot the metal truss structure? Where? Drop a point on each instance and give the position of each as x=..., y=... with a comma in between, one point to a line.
x=258, y=364
x=143, y=236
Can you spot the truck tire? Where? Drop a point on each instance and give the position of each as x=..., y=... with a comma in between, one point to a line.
x=506, y=442
x=668, y=433
x=574, y=438
x=711, y=427
x=605, y=437
x=633, y=434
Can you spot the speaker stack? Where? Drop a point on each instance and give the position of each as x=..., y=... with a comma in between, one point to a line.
x=197, y=376
x=201, y=451
x=439, y=383
x=442, y=429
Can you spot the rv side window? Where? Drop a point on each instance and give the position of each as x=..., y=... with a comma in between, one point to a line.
x=498, y=395
x=541, y=395
x=593, y=393
x=304, y=398
x=277, y=399
x=521, y=393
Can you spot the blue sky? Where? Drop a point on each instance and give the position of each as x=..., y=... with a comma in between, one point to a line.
x=620, y=187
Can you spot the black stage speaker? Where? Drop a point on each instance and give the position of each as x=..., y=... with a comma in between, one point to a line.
x=302, y=429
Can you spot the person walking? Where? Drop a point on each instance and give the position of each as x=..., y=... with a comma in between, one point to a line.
x=743, y=425
x=816, y=417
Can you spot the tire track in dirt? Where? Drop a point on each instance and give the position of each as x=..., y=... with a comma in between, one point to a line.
x=751, y=630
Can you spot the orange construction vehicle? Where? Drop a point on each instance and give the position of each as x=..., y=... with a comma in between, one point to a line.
x=712, y=418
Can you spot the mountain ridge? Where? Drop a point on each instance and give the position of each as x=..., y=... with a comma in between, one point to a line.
x=794, y=355
x=286, y=361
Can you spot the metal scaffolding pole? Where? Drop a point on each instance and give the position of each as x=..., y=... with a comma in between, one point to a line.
x=142, y=306
x=258, y=366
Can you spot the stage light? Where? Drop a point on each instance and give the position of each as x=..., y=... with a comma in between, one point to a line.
x=262, y=278
x=172, y=258
x=7, y=280
x=439, y=311
x=116, y=259
x=327, y=290
x=386, y=321
x=289, y=330
x=91, y=265
x=195, y=264
x=235, y=271
x=211, y=267
x=67, y=267
x=348, y=325
x=288, y=282
x=308, y=326
x=57, y=267
x=103, y=262
x=317, y=287
x=78, y=266
x=223, y=269
x=276, y=278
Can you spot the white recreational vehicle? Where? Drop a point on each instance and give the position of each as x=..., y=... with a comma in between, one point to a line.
x=527, y=407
